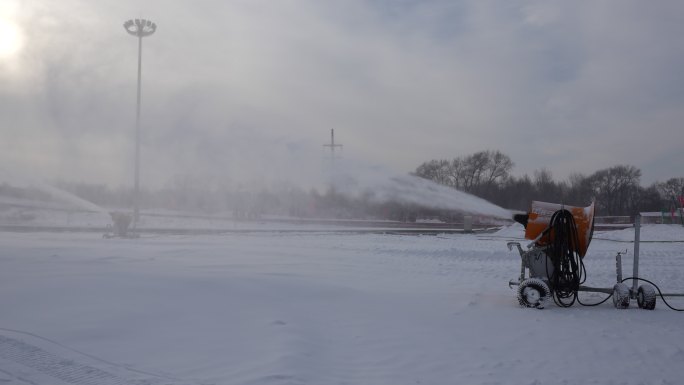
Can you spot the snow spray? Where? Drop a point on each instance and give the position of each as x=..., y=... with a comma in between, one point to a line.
x=60, y=194
x=412, y=189
x=70, y=198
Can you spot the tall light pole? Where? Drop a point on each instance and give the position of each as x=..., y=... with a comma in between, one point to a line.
x=138, y=28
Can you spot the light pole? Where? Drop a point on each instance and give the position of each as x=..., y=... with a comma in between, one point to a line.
x=139, y=28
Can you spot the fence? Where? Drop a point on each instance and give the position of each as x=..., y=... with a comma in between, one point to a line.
x=663, y=217
x=613, y=222
x=647, y=218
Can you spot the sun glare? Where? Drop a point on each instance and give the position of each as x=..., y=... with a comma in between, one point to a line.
x=10, y=39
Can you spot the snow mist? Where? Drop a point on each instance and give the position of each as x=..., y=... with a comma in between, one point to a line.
x=56, y=193
x=411, y=189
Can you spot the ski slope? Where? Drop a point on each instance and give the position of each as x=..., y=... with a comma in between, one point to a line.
x=324, y=308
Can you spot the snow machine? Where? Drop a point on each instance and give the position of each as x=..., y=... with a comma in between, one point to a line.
x=121, y=222
x=552, y=266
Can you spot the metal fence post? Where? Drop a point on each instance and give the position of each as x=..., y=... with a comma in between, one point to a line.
x=637, y=237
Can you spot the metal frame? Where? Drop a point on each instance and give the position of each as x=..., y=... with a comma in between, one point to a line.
x=524, y=265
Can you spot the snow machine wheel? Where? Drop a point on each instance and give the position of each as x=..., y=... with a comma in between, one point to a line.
x=621, y=296
x=533, y=292
x=646, y=297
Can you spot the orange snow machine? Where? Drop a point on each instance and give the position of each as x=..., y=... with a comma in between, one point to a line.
x=540, y=217
x=560, y=236
x=552, y=267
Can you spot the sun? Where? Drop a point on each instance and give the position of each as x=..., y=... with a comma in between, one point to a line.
x=10, y=39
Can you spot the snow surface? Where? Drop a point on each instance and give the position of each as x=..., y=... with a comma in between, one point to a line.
x=324, y=308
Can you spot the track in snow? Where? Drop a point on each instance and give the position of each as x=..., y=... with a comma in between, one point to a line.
x=37, y=364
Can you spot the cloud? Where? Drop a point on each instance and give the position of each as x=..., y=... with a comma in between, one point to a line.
x=250, y=89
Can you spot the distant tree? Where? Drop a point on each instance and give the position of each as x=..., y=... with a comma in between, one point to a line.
x=478, y=172
x=474, y=168
x=649, y=199
x=517, y=193
x=578, y=190
x=546, y=189
x=499, y=167
x=673, y=187
x=438, y=171
x=616, y=189
x=457, y=173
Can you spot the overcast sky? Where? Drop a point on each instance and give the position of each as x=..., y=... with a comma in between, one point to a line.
x=250, y=89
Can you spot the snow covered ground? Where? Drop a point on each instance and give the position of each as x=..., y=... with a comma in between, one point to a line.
x=323, y=308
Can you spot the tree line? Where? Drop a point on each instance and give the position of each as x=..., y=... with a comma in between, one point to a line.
x=616, y=190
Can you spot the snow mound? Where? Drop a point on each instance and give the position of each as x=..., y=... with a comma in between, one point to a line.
x=654, y=233
x=516, y=230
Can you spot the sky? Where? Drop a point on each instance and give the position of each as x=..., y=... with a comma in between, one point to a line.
x=247, y=91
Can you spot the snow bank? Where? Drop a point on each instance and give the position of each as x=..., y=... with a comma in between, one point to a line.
x=516, y=230
x=648, y=233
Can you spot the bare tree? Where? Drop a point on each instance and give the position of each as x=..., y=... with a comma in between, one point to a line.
x=485, y=168
x=500, y=166
x=517, y=193
x=616, y=189
x=483, y=173
x=673, y=187
x=457, y=173
x=438, y=171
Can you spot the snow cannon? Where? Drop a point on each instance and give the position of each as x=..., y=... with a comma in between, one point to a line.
x=537, y=225
x=121, y=223
x=552, y=266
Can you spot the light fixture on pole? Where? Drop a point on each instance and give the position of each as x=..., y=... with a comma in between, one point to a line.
x=139, y=28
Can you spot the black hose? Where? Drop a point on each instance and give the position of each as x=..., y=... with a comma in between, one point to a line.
x=569, y=272
x=594, y=304
x=657, y=288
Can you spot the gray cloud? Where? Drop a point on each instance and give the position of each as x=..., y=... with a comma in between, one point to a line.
x=248, y=90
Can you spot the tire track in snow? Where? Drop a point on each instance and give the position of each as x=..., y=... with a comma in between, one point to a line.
x=65, y=369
